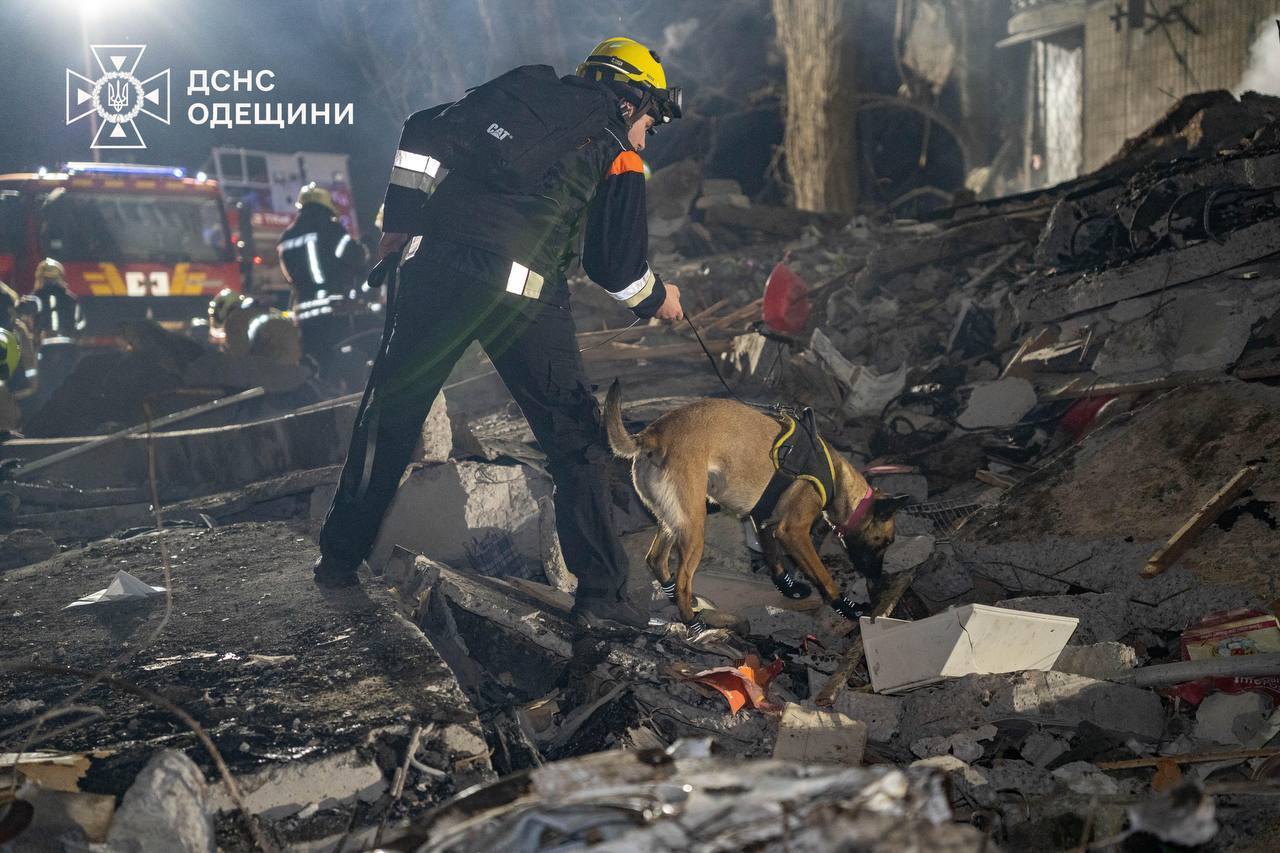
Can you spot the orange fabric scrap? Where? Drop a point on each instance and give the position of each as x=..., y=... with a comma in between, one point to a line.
x=742, y=685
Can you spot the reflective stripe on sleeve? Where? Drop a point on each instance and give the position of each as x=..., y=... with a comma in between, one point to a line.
x=638, y=291
x=342, y=244
x=417, y=171
x=297, y=242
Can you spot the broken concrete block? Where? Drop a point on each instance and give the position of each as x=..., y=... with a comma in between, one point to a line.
x=436, y=443
x=969, y=782
x=963, y=745
x=1056, y=698
x=902, y=655
x=63, y=820
x=915, y=485
x=442, y=510
x=942, y=580
x=1240, y=719
x=1101, y=660
x=826, y=737
x=997, y=404
x=1042, y=748
x=165, y=810
x=1006, y=774
x=1084, y=778
x=720, y=186
x=780, y=624
x=731, y=199
x=1104, y=617
x=907, y=552
x=880, y=713
x=284, y=789
x=25, y=546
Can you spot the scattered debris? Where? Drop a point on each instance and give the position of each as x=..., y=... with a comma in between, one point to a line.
x=814, y=736
x=904, y=655
x=123, y=587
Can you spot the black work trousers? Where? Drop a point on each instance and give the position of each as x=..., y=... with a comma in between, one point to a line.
x=438, y=313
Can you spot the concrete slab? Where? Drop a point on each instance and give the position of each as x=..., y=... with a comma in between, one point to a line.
x=1052, y=698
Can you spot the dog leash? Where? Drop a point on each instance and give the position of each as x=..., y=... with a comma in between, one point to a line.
x=715, y=367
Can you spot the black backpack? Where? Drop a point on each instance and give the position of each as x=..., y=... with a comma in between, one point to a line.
x=510, y=131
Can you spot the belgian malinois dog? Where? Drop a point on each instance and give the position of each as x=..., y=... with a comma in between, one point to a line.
x=720, y=450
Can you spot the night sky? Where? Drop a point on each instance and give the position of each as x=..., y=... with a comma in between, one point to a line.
x=39, y=40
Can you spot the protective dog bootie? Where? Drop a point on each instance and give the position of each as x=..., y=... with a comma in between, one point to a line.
x=790, y=587
x=669, y=589
x=847, y=608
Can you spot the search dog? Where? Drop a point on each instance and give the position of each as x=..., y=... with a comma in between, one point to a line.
x=720, y=450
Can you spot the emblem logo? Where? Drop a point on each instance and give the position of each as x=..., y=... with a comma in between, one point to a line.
x=118, y=96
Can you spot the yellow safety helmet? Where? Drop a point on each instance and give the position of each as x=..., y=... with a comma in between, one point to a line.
x=626, y=60
x=10, y=353
x=49, y=269
x=221, y=305
x=313, y=193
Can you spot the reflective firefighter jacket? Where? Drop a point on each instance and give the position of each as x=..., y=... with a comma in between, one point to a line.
x=319, y=258
x=593, y=198
x=54, y=311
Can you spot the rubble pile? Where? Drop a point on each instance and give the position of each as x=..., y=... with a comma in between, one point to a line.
x=1073, y=641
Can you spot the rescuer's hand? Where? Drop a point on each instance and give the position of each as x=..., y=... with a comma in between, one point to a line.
x=671, y=310
x=391, y=242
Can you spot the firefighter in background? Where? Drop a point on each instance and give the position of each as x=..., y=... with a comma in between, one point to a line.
x=10, y=359
x=53, y=315
x=325, y=265
x=243, y=326
x=9, y=301
x=53, y=311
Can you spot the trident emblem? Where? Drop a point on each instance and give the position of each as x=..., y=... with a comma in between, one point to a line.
x=118, y=96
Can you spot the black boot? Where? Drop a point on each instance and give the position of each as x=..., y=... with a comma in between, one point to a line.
x=608, y=615
x=335, y=573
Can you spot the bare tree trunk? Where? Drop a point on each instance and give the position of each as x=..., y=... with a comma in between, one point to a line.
x=822, y=155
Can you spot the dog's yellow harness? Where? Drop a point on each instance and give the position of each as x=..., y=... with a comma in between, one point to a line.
x=798, y=453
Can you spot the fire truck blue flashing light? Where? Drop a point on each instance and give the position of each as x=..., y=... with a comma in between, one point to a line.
x=125, y=169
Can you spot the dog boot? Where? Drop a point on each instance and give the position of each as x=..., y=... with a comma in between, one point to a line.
x=848, y=609
x=697, y=627
x=789, y=586
x=669, y=589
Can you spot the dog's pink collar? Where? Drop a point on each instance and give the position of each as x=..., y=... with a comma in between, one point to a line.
x=857, y=515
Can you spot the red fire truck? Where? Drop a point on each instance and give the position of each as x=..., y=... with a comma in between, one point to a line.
x=136, y=241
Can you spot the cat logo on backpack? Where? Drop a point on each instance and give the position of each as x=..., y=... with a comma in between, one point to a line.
x=498, y=133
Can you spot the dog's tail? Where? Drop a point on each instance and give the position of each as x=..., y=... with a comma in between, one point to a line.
x=621, y=442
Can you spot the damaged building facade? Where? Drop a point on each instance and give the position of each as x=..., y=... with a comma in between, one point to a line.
x=1099, y=73
x=1069, y=367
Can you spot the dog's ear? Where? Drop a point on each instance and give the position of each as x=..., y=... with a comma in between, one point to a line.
x=886, y=505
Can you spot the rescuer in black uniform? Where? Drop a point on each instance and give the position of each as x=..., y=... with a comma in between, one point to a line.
x=325, y=265
x=483, y=262
x=53, y=315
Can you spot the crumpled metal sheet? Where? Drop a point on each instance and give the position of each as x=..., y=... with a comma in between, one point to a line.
x=649, y=801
